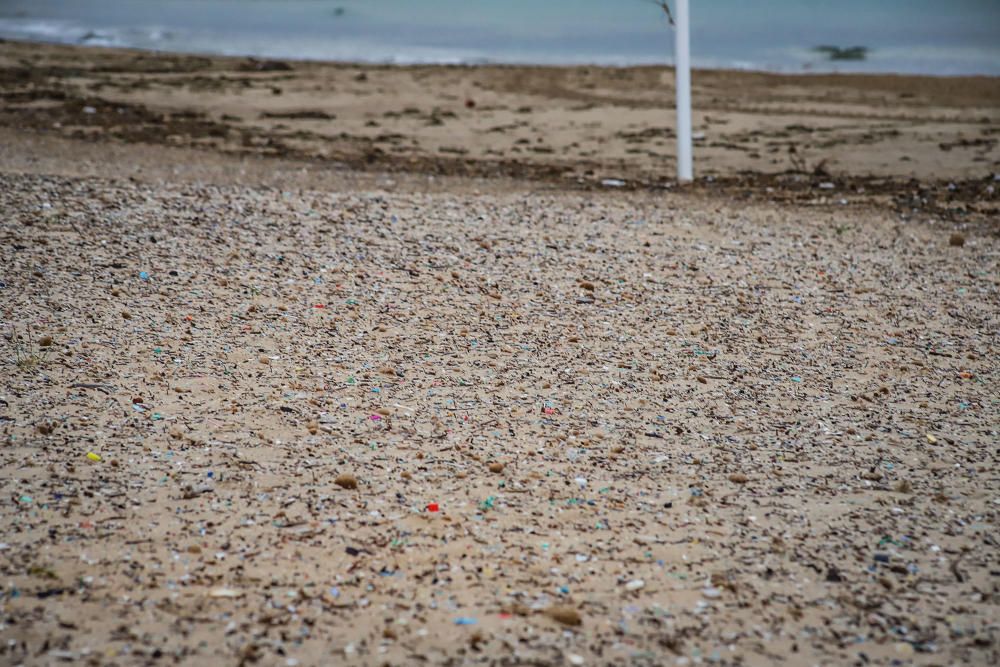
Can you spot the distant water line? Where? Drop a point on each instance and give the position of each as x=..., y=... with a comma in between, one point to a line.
x=904, y=36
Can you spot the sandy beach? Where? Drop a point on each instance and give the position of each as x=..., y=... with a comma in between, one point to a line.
x=312, y=363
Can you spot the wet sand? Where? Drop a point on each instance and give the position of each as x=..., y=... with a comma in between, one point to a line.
x=565, y=122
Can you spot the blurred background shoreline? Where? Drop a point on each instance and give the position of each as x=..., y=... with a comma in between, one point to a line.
x=787, y=36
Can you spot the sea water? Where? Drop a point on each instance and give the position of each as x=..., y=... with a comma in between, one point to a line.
x=905, y=36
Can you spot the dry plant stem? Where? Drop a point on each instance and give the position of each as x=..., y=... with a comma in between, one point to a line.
x=666, y=9
x=28, y=355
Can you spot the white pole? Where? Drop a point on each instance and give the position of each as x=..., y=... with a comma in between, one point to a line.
x=682, y=63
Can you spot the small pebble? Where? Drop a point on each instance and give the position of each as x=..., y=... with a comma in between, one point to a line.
x=565, y=615
x=957, y=240
x=225, y=593
x=635, y=585
x=346, y=481
x=496, y=467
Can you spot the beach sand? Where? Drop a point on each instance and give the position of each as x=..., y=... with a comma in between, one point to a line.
x=301, y=390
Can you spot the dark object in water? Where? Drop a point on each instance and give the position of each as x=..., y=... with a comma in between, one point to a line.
x=254, y=65
x=846, y=53
x=91, y=37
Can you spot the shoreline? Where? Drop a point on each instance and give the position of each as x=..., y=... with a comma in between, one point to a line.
x=485, y=63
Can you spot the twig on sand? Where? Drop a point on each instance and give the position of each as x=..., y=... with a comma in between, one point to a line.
x=85, y=385
x=953, y=566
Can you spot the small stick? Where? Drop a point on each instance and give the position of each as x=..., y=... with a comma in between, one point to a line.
x=100, y=387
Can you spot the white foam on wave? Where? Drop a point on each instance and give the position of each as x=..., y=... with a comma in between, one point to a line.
x=57, y=31
x=72, y=32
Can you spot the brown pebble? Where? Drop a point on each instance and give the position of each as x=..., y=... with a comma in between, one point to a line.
x=313, y=427
x=565, y=615
x=496, y=467
x=739, y=478
x=903, y=486
x=126, y=315
x=385, y=412
x=585, y=285
x=176, y=432
x=264, y=360
x=45, y=341
x=406, y=474
x=45, y=428
x=346, y=481
x=957, y=240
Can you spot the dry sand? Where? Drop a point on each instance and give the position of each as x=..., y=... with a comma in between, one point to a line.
x=657, y=427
